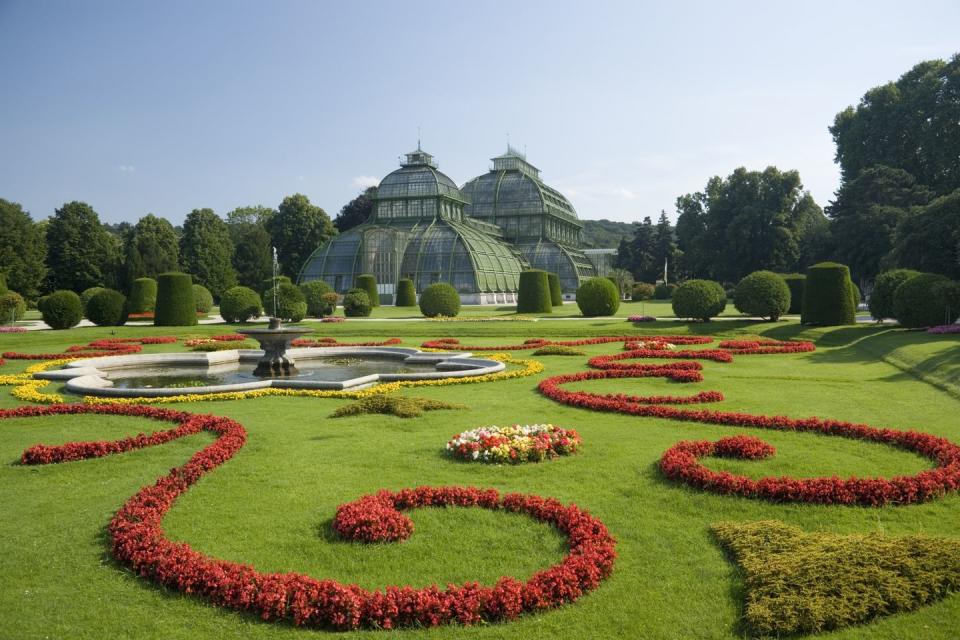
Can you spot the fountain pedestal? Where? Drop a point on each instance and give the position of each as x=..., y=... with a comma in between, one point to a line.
x=275, y=340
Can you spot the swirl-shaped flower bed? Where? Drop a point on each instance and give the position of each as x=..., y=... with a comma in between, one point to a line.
x=515, y=444
x=96, y=349
x=760, y=347
x=332, y=342
x=139, y=542
x=536, y=343
x=612, y=361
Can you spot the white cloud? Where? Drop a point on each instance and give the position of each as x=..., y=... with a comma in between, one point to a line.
x=366, y=181
x=126, y=168
x=625, y=193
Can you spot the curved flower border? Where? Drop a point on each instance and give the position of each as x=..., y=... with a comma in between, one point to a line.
x=536, y=343
x=514, y=445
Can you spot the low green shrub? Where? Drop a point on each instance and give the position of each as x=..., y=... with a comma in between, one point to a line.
x=795, y=282
x=664, y=291
x=313, y=293
x=270, y=283
x=764, y=294
x=143, y=296
x=399, y=406
x=107, y=308
x=881, y=299
x=534, y=292
x=598, y=297
x=202, y=298
x=175, y=304
x=356, y=304
x=828, y=298
x=406, y=293
x=440, y=299
x=558, y=350
x=87, y=294
x=368, y=282
x=12, y=307
x=291, y=306
x=926, y=300
x=642, y=291
x=239, y=304
x=556, y=292
x=328, y=303
x=699, y=299
x=62, y=310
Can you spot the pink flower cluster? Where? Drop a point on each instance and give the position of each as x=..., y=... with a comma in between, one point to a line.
x=945, y=329
x=641, y=319
x=13, y=329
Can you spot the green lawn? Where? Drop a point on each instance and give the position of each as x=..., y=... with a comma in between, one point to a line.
x=272, y=504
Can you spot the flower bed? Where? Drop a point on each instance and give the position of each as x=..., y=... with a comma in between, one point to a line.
x=641, y=319
x=482, y=319
x=612, y=361
x=757, y=347
x=13, y=329
x=536, y=343
x=945, y=329
x=332, y=342
x=96, y=348
x=138, y=541
x=333, y=319
x=514, y=445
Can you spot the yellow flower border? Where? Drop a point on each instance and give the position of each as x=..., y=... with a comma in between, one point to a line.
x=27, y=389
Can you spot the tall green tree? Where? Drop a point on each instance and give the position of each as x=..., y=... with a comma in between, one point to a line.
x=296, y=230
x=80, y=252
x=357, y=211
x=929, y=240
x=206, y=251
x=252, y=256
x=258, y=214
x=22, y=250
x=664, y=244
x=156, y=243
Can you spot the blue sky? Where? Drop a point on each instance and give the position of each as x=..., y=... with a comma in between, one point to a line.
x=162, y=107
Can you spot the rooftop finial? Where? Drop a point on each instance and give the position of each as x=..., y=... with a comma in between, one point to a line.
x=418, y=138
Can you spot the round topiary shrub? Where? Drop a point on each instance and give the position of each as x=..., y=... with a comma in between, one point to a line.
x=87, y=294
x=175, y=304
x=881, y=299
x=313, y=293
x=356, y=304
x=143, y=296
x=329, y=303
x=108, y=308
x=699, y=299
x=598, y=297
x=12, y=307
x=556, y=292
x=926, y=300
x=764, y=294
x=828, y=296
x=406, y=294
x=62, y=310
x=202, y=298
x=641, y=291
x=239, y=304
x=534, y=292
x=440, y=299
x=270, y=283
x=663, y=291
x=795, y=282
x=368, y=282
x=291, y=306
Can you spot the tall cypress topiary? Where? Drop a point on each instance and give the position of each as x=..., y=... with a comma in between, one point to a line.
x=796, y=283
x=556, y=293
x=143, y=296
x=534, y=292
x=176, y=306
x=368, y=282
x=406, y=294
x=828, y=296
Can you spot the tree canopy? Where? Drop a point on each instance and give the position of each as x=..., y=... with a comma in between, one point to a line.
x=23, y=249
x=296, y=230
x=150, y=248
x=80, y=252
x=356, y=212
x=206, y=251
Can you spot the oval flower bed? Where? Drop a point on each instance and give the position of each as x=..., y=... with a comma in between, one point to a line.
x=514, y=445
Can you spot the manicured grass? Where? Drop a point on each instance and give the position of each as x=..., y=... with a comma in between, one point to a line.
x=272, y=504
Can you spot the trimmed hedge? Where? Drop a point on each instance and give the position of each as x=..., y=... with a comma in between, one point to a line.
x=239, y=304
x=368, y=282
x=796, y=283
x=828, y=296
x=313, y=293
x=62, y=310
x=664, y=291
x=175, y=304
x=87, y=294
x=764, y=294
x=598, y=297
x=356, y=304
x=12, y=307
x=329, y=303
x=855, y=292
x=406, y=294
x=143, y=296
x=202, y=298
x=291, y=305
x=881, y=300
x=440, y=299
x=642, y=291
x=534, y=292
x=926, y=300
x=556, y=291
x=699, y=299
x=107, y=308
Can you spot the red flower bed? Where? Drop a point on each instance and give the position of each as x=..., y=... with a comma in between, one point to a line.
x=138, y=541
x=611, y=361
x=332, y=342
x=536, y=343
x=96, y=349
x=678, y=371
x=229, y=337
x=748, y=347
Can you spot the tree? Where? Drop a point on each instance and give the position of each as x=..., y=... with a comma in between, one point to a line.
x=930, y=239
x=258, y=214
x=252, y=256
x=22, y=250
x=155, y=242
x=80, y=252
x=910, y=124
x=357, y=211
x=664, y=244
x=638, y=255
x=206, y=251
x=296, y=230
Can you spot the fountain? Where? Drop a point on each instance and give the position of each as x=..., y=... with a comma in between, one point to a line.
x=275, y=340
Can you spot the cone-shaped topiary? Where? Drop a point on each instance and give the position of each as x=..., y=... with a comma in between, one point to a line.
x=356, y=304
x=202, y=298
x=926, y=300
x=440, y=299
x=406, y=294
x=313, y=293
x=699, y=299
x=240, y=304
x=796, y=283
x=368, y=282
x=828, y=296
x=881, y=300
x=175, y=304
x=291, y=306
x=534, y=292
x=598, y=297
x=556, y=293
x=107, y=308
x=143, y=296
x=62, y=310
x=764, y=294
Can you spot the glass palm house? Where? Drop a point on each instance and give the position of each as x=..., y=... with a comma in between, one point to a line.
x=420, y=228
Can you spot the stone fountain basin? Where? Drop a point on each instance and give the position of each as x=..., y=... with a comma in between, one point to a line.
x=90, y=376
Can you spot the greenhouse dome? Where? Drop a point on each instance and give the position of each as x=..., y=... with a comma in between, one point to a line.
x=534, y=217
x=418, y=230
